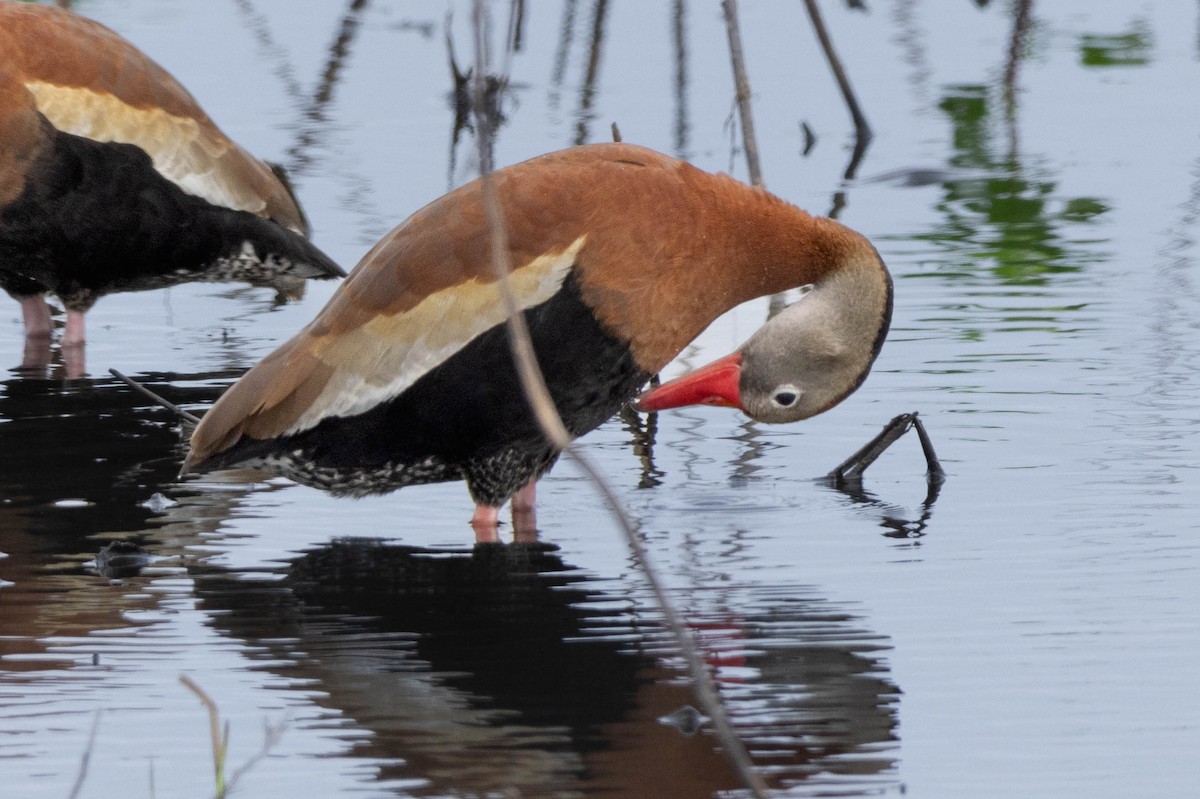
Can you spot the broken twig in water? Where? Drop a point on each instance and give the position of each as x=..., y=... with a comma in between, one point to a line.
x=190, y=418
x=851, y=470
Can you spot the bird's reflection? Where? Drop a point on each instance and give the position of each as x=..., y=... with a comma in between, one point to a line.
x=92, y=443
x=503, y=668
x=83, y=467
x=87, y=468
x=474, y=671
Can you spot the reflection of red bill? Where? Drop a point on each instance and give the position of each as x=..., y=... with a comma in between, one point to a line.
x=722, y=643
x=715, y=384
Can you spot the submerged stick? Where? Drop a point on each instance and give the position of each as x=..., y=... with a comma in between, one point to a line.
x=190, y=418
x=851, y=470
x=934, y=471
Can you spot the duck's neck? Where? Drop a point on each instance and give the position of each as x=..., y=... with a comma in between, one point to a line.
x=790, y=248
x=770, y=246
x=754, y=245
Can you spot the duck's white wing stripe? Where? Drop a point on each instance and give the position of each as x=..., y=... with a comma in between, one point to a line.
x=384, y=357
x=182, y=152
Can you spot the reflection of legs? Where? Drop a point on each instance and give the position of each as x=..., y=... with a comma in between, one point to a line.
x=524, y=513
x=72, y=344
x=38, y=327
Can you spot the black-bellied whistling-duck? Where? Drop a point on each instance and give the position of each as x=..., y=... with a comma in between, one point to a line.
x=112, y=178
x=620, y=257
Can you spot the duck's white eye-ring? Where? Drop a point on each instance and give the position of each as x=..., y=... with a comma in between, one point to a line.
x=786, y=396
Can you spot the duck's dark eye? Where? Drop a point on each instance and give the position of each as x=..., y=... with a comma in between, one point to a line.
x=786, y=398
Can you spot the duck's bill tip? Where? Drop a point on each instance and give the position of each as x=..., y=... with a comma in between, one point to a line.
x=715, y=384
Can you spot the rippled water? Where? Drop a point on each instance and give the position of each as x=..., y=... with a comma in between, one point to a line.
x=1031, y=629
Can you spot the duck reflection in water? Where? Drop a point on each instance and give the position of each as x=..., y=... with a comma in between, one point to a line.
x=503, y=668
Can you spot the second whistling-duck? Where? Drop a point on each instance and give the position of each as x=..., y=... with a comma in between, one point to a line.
x=620, y=257
x=112, y=178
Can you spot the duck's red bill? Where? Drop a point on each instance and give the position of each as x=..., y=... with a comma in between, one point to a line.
x=715, y=384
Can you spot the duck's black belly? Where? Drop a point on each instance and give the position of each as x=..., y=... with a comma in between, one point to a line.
x=467, y=418
x=96, y=218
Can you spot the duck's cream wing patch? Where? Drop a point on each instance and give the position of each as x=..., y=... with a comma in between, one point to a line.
x=200, y=160
x=387, y=354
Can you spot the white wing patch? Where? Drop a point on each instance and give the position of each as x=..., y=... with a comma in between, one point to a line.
x=181, y=151
x=387, y=355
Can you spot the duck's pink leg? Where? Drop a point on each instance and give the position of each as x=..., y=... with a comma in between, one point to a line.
x=74, y=334
x=524, y=513
x=486, y=523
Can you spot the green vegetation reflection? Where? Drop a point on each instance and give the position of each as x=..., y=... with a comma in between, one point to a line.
x=1117, y=50
x=1003, y=218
